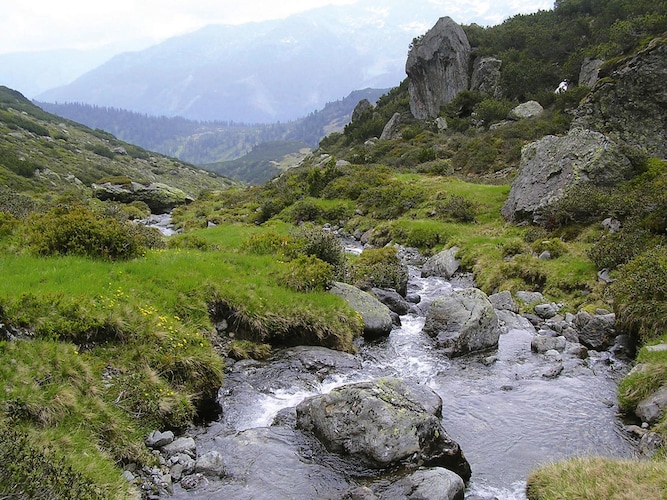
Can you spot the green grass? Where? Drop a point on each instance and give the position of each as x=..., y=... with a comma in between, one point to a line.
x=599, y=479
x=118, y=349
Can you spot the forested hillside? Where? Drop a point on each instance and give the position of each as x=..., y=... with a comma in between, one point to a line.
x=210, y=142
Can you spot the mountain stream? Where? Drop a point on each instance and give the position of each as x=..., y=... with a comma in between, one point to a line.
x=508, y=415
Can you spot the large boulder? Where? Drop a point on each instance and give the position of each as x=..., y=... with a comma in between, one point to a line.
x=392, y=129
x=437, y=68
x=628, y=104
x=159, y=197
x=553, y=165
x=427, y=484
x=525, y=110
x=596, y=331
x=486, y=76
x=443, y=264
x=374, y=314
x=463, y=322
x=383, y=423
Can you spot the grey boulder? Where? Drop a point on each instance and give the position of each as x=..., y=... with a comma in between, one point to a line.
x=463, y=322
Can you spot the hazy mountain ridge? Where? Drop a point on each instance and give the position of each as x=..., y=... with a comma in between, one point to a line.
x=205, y=143
x=259, y=72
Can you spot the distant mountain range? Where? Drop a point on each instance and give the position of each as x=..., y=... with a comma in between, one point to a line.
x=266, y=72
x=218, y=143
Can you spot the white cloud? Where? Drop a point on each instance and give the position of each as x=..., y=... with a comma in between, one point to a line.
x=45, y=24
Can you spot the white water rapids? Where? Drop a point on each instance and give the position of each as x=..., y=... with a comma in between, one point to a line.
x=506, y=415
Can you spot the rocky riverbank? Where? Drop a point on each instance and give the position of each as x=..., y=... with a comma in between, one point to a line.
x=312, y=422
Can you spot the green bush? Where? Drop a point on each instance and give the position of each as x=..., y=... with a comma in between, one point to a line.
x=614, y=249
x=492, y=110
x=512, y=247
x=190, y=241
x=101, y=150
x=269, y=243
x=378, y=268
x=29, y=471
x=640, y=295
x=313, y=241
x=306, y=273
x=305, y=211
x=78, y=230
x=391, y=200
x=22, y=167
x=16, y=204
x=7, y=224
x=455, y=208
x=554, y=246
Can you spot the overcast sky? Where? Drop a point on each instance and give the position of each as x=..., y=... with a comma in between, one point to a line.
x=35, y=25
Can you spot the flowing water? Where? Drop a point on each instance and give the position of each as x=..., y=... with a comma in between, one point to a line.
x=507, y=416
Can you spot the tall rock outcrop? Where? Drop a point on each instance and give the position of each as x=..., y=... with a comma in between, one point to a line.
x=630, y=104
x=437, y=68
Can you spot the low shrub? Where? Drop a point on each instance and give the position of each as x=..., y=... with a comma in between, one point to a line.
x=615, y=249
x=101, y=150
x=306, y=273
x=16, y=204
x=513, y=247
x=379, y=268
x=455, y=208
x=554, y=246
x=305, y=210
x=269, y=243
x=313, y=241
x=7, y=224
x=190, y=241
x=80, y=231
x=29, y=471
x=640, y=295
x=391, y=200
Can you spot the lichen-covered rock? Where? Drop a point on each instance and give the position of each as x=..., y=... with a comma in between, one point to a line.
x=486, y=76
x=652, y=408
x=629, y=103
x=383, y=423
x=590, y=68
x=443, y=264
x=529, y=109
x=437, y=68
x=374, y=314
x=596, y=331
x=463, y=322
x=553, y=165
x=427, y=484
x=159, y=197
x=392, y=129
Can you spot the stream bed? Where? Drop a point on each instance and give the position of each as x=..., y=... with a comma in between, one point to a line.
x=505, y=408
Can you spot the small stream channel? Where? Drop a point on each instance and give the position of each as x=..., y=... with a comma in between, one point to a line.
x=507, y=416
x=505, y=408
